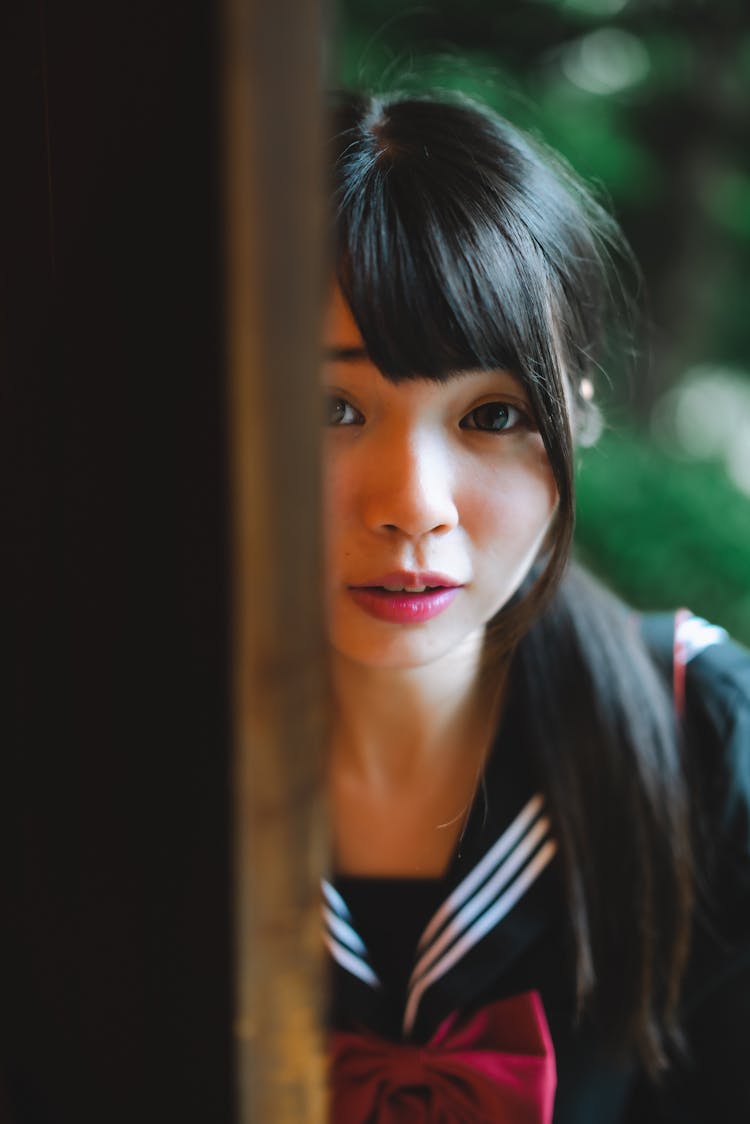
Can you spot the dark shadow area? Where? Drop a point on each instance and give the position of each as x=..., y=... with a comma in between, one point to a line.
x=116, y=934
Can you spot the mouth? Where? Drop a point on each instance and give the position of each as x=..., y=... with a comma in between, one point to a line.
x=405, y=588
x=406, y=599
x=409, y=581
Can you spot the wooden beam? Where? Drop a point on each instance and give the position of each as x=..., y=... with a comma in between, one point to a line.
x=274, y=282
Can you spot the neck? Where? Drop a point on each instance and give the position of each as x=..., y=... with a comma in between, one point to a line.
x=390, y=724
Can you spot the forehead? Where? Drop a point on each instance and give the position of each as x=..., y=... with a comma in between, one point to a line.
x=339, y=326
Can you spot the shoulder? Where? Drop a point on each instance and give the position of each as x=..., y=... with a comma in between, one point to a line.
x=714, y=706
x=716, y=735
x=716, y=669
x=717, y=678
x=716, y=997
x=712, y=1080
x=716, y=720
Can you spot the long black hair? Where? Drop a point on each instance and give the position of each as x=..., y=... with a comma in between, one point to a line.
x=460, y=243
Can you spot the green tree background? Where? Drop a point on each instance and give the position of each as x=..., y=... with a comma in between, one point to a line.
x=649, y=100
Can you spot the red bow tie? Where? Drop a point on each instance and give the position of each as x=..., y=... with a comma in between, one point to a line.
x=497, y=1067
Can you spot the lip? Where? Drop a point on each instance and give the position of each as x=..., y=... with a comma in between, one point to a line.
x=409, y=577
x=402, y=607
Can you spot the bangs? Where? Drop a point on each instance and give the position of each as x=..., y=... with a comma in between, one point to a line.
x=441, y=277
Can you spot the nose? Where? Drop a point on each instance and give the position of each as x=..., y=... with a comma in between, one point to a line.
x=411, y=488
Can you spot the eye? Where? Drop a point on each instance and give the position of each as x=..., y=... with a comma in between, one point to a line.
x=494, y=417
x=337, y=411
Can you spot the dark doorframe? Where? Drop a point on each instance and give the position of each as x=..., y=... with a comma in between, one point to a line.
x=116, y=932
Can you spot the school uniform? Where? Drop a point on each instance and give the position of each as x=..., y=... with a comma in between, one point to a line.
x=425, y=971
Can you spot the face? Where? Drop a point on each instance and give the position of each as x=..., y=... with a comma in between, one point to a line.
x=439, y=485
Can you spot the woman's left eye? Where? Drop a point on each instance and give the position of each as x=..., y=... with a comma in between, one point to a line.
x=493, y=417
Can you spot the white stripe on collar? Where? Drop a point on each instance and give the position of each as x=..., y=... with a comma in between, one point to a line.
x=492, y=888
x=483, y=869
x=353, y=964
x=344, y=932
x=486, y=922
x=335, y=901
x=344, y=943
x=483, y=898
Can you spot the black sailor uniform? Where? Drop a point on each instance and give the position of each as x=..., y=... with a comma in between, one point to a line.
x=407, y=953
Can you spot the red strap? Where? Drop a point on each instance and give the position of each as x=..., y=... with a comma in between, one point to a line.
x=679, y=661
x=497, y=1067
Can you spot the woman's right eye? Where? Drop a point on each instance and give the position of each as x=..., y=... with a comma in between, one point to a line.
x=337, y=411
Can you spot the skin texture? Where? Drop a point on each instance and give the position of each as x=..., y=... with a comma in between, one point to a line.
x=411, y=483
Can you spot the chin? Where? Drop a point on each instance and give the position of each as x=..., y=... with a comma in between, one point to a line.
x=392, y=660
x=406, y=652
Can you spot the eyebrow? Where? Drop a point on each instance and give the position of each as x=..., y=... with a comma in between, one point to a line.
x=345, y=354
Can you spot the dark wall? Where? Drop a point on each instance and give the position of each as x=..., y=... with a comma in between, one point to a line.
x=115, y=958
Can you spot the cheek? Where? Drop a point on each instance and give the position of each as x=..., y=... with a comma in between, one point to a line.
x=337, y=499
x=331, y=518
x=549, y=497
x=514, y=505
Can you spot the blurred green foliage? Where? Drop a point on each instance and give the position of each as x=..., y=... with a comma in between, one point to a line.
x=649, y=100
x=664, y=532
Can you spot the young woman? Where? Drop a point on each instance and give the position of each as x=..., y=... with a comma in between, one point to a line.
x=540, y=900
